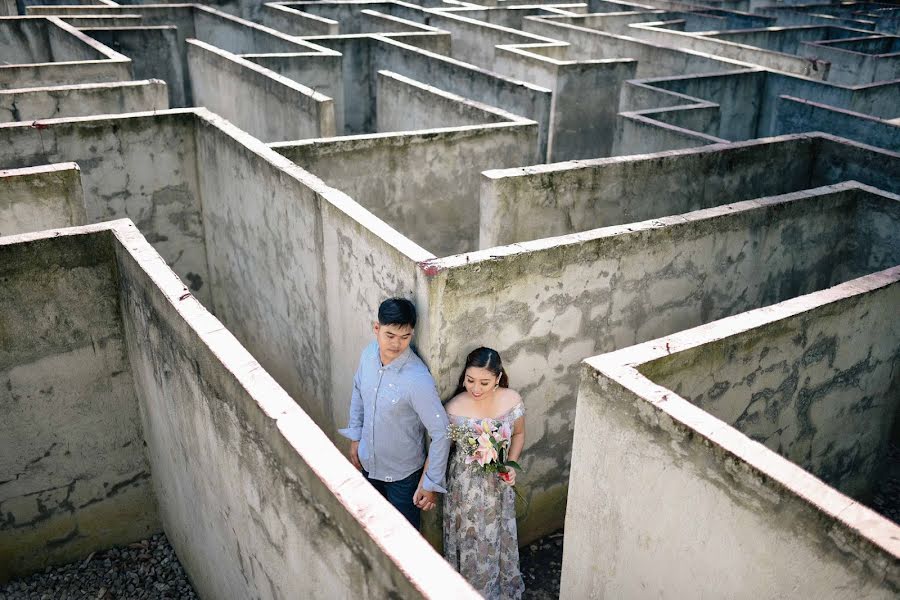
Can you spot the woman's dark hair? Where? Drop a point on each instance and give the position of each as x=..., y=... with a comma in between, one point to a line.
x=397, y=311
x=484, y=358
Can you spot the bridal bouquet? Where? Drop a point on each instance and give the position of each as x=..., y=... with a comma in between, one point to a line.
x=485, y=443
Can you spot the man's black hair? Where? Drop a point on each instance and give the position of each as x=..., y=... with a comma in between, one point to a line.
x=397, y=311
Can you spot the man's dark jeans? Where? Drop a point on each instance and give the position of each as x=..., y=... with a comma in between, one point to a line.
x=400, y=495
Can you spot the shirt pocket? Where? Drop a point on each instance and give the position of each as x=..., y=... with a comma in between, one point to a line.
x=394, y=397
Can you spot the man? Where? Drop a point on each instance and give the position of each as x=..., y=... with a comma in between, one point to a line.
x=394, y=403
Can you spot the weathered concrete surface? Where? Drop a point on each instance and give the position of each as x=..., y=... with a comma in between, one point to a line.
x=265, y=261
x=294, y=276
x=667, y=113
x=654, y=60
x=641, y=133
x=320, y=72
x=526, y=100
x=546, y=305
x=665, y=499
x=364, y=55
x=410, y=199
x=157, y=49
x=269, y=293
x=540, y=201
x=155, y=53
x=860, y=60
x=299, y=265
x=240, y=36
x=404, y=196
x=142, y=166
x=476, y=42
x=585, y=99
x=73, y=475
x=797, y=115
x=253, y=496
x=818, y=393
x=737, y=97
x=294, y=22
x=141, y=378
x=786, y=63
x=81, y=22
x=402, y=104
x=46, y=51
x=37, y=198
x=261, y=102
x=28, y=104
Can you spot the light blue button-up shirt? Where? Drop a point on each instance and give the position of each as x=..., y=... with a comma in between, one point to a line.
x=391, y=409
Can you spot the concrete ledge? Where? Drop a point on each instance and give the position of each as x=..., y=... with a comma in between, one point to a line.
x=28, y=104
x=527, y=203
x=405, y=197
x=265, y=104
x=70, y=57
x=797, y=115
x=728, y=507
x=43, y=197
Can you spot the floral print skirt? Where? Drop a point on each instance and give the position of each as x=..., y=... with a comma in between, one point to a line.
x=480, y=538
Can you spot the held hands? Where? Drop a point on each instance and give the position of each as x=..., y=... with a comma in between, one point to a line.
x=353, y=455
x=424, y=499
x=509, y=477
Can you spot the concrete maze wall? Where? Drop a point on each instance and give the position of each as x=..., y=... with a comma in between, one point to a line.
x=156, y=418
x=44, y=197
x=75, y=474
x=367, y=157
x=686, y=432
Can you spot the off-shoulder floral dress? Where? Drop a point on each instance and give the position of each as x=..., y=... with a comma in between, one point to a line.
x=480, y=538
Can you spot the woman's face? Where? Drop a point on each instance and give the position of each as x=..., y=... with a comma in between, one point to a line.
x=480, y=382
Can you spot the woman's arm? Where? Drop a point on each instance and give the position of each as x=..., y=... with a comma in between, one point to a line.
x=517, y=442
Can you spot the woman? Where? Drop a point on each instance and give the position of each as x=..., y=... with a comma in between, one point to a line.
x=480, y=538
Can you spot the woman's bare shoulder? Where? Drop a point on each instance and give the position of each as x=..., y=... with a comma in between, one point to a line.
x=456, y=403
x=509, y=398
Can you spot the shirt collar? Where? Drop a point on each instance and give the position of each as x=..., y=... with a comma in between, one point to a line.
x=399, y=362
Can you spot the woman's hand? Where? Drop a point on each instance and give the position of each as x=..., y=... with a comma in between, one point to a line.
x=509, y=477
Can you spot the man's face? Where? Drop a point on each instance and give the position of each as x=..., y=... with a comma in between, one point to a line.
x=393, y=340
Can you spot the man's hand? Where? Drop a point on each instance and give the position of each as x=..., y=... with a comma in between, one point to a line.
x=424, y=499
x=353, y=454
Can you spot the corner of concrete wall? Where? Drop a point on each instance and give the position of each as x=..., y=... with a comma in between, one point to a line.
x=71, y=443
x=44, y=197
x=253, y=495
x=648, y=491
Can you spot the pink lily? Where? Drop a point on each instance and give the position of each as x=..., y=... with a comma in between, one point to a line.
x=487, y=455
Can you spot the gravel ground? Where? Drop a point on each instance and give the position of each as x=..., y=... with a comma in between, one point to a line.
x=145, y=570
x=541, y=564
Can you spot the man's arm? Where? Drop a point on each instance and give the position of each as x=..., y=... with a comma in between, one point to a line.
x=353, y=431
x=427, y=404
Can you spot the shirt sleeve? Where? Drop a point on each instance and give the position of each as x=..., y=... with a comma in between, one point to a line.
x=353, y=431
x=427, y=404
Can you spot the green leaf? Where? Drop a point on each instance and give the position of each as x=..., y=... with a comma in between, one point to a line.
x=513, y=464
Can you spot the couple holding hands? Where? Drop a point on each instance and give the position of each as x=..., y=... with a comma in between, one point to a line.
x=470, y=463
